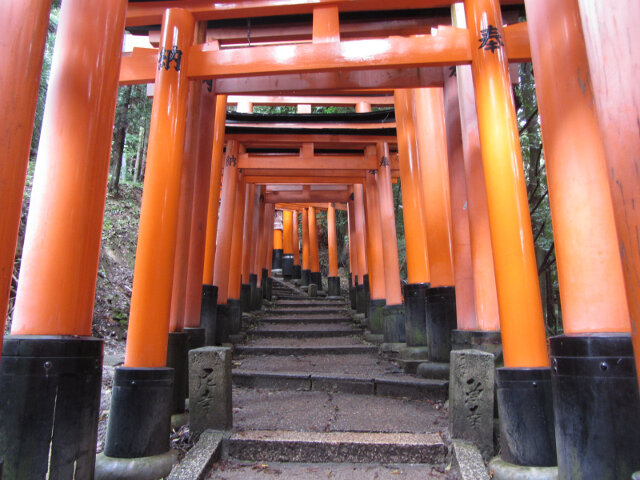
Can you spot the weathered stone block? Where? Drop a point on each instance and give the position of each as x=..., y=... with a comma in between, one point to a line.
x=210, y=389
x=471, y=397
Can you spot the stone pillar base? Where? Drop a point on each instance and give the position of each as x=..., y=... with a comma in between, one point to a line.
x=210, y=390
x=471, y=398
x=507, y=471
x=141, y=468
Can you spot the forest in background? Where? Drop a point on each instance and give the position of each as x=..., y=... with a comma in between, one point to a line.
x=128, y=155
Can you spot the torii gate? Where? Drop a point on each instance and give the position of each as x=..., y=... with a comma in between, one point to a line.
x=57, y=278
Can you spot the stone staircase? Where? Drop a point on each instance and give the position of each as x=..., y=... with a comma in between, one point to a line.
x=314, y=400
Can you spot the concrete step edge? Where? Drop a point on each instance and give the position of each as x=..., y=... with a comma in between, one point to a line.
x=414, y=388
x=356, y=447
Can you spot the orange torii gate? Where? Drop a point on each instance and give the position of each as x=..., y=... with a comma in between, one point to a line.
x=57, y=279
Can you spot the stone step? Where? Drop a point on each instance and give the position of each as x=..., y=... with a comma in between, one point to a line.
x=356, y=447
x=303, y=332
x=294, y=302
x=305, y=310
x=284, y=319
x=234, y=469
x=305, y=350
x=406, y=387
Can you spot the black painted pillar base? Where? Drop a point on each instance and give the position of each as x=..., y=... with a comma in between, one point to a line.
x=254, y=292
x=297, y=271
x=316, y=277
x=235, y=315
x=361, y=299
x=287, y=266
x=367, y=292
x=525, y=407
x=305, y=276
x=209, y=313
x=140, y=415
x=596, y=406
x=333, y=286
x=223, y=324
x=268, y=288
x=440, y=310
x=263, y=282
x=375, y=315
x=353, y=292
x=276, y=261
x=178, y=359
x=415, y=295
x=195, y=337
x=245, y=297
x=486, y=340
x=394, y=324
x=49, y=385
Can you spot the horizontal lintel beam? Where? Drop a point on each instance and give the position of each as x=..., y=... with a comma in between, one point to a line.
x=329, y=162
x=449, y=47
x=314, y=196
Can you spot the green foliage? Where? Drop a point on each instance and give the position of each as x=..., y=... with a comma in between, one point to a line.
x=281, y=109
x=537, y=191
x=44, y=76
x=333, y=109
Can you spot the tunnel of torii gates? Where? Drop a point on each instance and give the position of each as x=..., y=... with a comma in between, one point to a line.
x=453, y=141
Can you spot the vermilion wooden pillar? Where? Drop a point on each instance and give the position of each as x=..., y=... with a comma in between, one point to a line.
x=217, y=164
x=522, y=325
x=306, y=265
x=374, y=252
x=185, y=210
x=250, y=214
x=356, y=276
x=252, y=247
x=415, y=227
x=486, y=298
x=463, y=269
x=287, y=244
x=24, y=26
x=198, y=229
x=434, y=171
x=255, y=281
x=235, y=265
x=297, y=267
x=269, y=252
x=54, y=304
x=393, y=293
x=314, y=260
x=333, y=281
x=608, y=26
x=484, y=279
x=440, y=306
x=209, y=291
x=393, y=319
x=278, y=240
x=412, y=210
x=359, y=226
x=523, y=333
x=225, y=222
x=594, y=306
